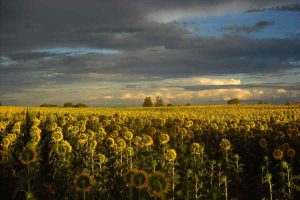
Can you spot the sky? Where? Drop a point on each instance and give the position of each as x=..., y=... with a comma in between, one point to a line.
x=117, y=52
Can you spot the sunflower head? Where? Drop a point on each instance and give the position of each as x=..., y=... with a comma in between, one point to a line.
x=128, y=135
x=57, y=136
x=278, y=154
x=170, y=155
x=83, y=182
x=164, y=138
x=290, y=152
x=128, y=175
x=5, y=143
x=82, y=138
x=139, y=179
x=138, y=141
x=197, y=149
x=102, y=133
x=147, y=140
x=225, y=145
x=91, y=134
x=67, y=146
x=263, y=143
x=158, y=184
x=110, y=142
x=121, y=143
x=28, y=155
x=129, y=151
x=35, y=137
x=102, y=158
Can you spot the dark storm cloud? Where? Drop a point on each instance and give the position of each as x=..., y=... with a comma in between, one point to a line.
x=258, y=26
x=291, y=7
x=34, y=24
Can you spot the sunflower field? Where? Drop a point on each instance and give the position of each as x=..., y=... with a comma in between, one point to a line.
x=191, y=153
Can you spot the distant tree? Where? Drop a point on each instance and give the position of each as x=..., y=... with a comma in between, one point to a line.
x=234, y=101
x=68, y=104
x=169, y=104
x=48, y=105
x=147, y=102
x=159, y=102
x=262, y=102
x=188, y=104
x=0, y=103
x=80, y=105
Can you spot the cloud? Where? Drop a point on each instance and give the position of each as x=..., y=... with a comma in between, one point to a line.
x=291, y=7
x=260, y=25
x=70, y=50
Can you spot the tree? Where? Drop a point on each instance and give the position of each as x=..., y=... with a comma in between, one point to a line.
x=80, y=105
x=68, y=105
x=48, y=105
x=147, y=102
x=0, y=103
x=234, y=101
x=159, y=102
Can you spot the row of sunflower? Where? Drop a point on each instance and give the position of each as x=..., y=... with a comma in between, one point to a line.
x=205, y=152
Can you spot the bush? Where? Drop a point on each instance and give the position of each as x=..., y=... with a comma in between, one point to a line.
x=80, y=105
x=68, y=105
x=48, y=105
x=234, y=101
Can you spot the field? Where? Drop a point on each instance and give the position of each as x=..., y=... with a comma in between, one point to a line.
x=193, y=152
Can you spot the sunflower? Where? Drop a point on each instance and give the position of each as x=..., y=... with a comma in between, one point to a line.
x=128, y=175
x=158, y=184
x=28, y=155
x=128, y=135
x=139, y=179
x=3, y=157
x=82, y=138
x=263, y=143
x=164, y=138
x=83, y=182
x=114, y=134
x=102, y=133
x=12, y=137
x=35, y=137
x=147, y=140
x=290, y=152
x=110, y=142
x=67, y=147
x=278, y=154
x=247, y=127
x=129, y=151
x=196, y=148
x=91, y=134
x=170, y=155
x=225, y=145
x=138, y=141
x=102, y=158
x=57, y=136
x=6, y=143
x=285, y=146
x=121, y=143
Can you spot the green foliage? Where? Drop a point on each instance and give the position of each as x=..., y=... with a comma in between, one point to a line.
x=159, y=102
x=68, y=105
x=80, y=105
x=147, y=102
x=234, y=101
x=48, y=105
